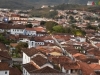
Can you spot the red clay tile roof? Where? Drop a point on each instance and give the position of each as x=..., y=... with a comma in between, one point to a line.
x=95, y=52
x=95, y=66
x=86, y=69
x=85, y=58
x=29, y=67
x=9, y=26
x=49, y=49
x=36, y=39
x=72, y=65
x=18, y=27
x=4, y=66
x=30, y=52
x=14, y=71
x=39, y=29
x=29, y=29
x=39, y=60
x=46, y=70
x=15, y=15
x=62, y=37
x=13, y=44
x=71, y=50
x=4, y=55
x=60, y=60
x=3, y=46
x=12, y=37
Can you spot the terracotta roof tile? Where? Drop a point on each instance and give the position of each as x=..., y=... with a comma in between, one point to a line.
x=39, y=60
x=30, y=52
x=72, y=65
x=60, y=60
x=95, y=66
x=29, y=67
x=13, y=44
x=3, y=46
x=39, y=29
x=4, y=55
x=14, y=71
x=4, y=66
x=36, y=39
x=86, y=69
x=46, y=70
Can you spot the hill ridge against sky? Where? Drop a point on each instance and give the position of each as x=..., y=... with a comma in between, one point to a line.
x=30, y=3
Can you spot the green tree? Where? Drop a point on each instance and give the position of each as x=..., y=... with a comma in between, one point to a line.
x=71, y=18
x=29, y=25
x=89, y=26
x=42, y=23
x=22, y=45
x=4, y=39
x=58, y=29
x=51, y=14
x=49, y=25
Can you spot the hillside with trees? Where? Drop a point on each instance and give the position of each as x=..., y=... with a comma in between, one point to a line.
x=26, y=4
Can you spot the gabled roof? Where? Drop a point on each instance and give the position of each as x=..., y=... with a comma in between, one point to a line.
x=22, y=36
x=95, y=66
x=9, y=26
x=60, y=60
x=4, y=55
x=15, y=15
x=49, y=49
x=29, y=29
x=36, y=39
x=14, y=71
x=5, y=26
x=47, y=37
x=86, y=69
x=12, y=37
x=39, y=29
x=30, y=52
x=29, y=67
x=72, y=65
x=18, y=27
x=4, y=66
x=46, y=70
x=13, y=44
x=39, y=60
x=71, y=49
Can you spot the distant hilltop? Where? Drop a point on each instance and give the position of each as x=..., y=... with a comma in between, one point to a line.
x=27, y=4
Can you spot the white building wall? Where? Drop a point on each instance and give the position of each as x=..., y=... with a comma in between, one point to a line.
x=63, y=70
x=30, y=33
x=39, y=34
x=39, y=43
x=50, y=41
x=24, y=40
x=25, y=72
x=17, y=31
x=6, y=72
x=31, y=44
x=82, y=39
x=26, y=59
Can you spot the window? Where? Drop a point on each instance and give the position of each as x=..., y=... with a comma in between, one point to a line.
x=32, y=43
x=6, y=72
